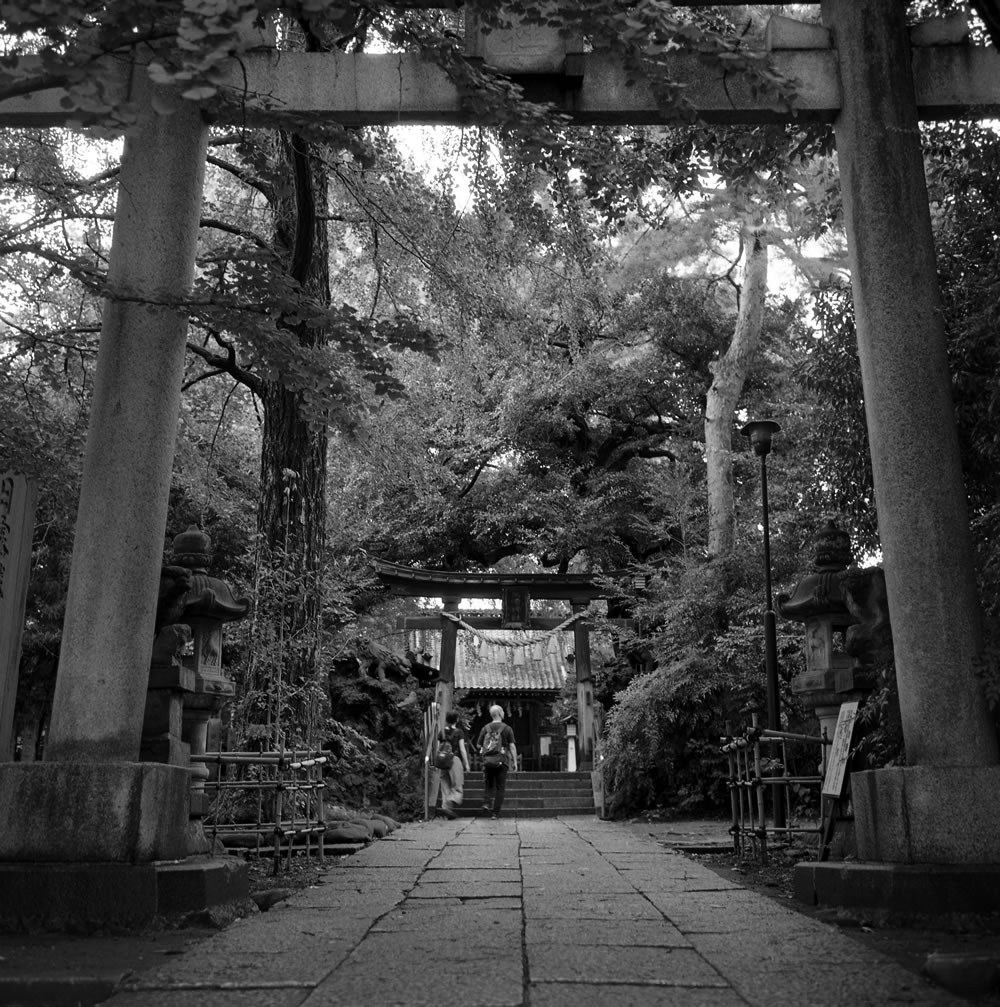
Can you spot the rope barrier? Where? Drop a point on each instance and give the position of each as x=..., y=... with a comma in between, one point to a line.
x=527, y=641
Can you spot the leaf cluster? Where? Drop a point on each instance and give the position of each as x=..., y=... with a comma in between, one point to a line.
x=696, y=656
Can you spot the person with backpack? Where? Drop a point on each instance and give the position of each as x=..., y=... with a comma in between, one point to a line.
x=452, y=760
x=496, y=746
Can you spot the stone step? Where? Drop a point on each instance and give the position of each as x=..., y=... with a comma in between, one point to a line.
x=533, y=794
x=529, y=787
x=545, y=785
x=547, y=801
x=477, y=774
x=578, y=796
x=511, y=810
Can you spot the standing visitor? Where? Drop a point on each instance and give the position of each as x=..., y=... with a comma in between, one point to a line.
x=496, y=745
x=453, y=777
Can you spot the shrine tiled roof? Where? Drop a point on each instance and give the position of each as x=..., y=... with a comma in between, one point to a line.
x=534, y=662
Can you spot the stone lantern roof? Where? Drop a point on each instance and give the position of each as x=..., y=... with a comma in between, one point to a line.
x=207, y=596
x=820, y=591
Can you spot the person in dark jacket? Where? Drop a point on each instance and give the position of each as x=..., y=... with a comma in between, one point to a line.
x=496, y=745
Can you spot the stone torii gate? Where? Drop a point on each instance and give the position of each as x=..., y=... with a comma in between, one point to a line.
x=862, y=72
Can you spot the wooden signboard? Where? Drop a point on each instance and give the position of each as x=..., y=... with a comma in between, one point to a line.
x=514, y=611
x=840, y=750
x=17, y=515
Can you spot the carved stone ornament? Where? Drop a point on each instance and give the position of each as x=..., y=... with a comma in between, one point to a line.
x=820, y=592
x=207, y=596
x=870, y=638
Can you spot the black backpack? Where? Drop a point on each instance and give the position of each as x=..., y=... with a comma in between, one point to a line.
x=492, y=748
x=445, y=754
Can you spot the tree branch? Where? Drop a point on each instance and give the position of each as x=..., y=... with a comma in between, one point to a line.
x=241, y=174
x=227, y=364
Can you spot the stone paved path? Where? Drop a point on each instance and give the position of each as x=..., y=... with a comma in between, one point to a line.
x=570, y=912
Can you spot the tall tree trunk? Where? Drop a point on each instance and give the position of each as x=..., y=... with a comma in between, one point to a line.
x=292, y=512
x=729, y=374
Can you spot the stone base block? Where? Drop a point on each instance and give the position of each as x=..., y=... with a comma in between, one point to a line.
x=76, y=898
x=928, y=815
x=200, y=883
x=901, y=893
x=80, y=898
x=66, y=813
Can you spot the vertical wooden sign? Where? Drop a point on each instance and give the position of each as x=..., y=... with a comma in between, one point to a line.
x=840, y=750
x=17, y=515
x=514, y=608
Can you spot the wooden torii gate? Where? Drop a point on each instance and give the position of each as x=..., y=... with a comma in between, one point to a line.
x=865, y=76
x=516, y=592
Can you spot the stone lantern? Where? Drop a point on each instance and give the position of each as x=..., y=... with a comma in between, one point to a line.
x=819, y=602
x=209, y=603
x=187, y=685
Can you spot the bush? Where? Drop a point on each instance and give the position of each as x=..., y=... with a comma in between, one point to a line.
x=661, y=745
x=698, y=627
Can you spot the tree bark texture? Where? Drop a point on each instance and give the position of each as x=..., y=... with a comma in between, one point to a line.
x=729, y=374
x=292, y=512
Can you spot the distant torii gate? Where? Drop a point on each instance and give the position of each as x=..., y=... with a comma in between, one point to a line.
x=516, y=592
x=864, y=75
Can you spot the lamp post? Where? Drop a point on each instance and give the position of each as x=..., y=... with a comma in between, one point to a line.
x=760, y=433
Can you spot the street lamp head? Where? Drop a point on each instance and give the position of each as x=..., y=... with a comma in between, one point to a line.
x=760, y=433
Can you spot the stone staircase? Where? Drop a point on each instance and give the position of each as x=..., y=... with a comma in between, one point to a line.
x=536, y=795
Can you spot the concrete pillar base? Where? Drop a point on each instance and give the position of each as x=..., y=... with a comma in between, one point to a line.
x=80, y=898
x=902, y=894
x=928, y=815
x=112, y=813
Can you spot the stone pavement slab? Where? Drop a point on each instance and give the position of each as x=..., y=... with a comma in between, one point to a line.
x=523, y=913
x=571, y=963
x=596, y=933
x=653, y=995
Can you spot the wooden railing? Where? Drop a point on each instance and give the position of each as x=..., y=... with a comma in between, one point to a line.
x=289, y=797
x=428, y=735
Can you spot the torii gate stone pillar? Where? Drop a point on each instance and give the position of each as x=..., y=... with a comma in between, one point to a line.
x=91, y=818
x=940, y=813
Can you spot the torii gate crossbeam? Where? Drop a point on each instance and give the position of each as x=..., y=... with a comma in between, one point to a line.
x=360, y=89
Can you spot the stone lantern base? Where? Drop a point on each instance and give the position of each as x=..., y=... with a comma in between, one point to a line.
x=98, y=845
